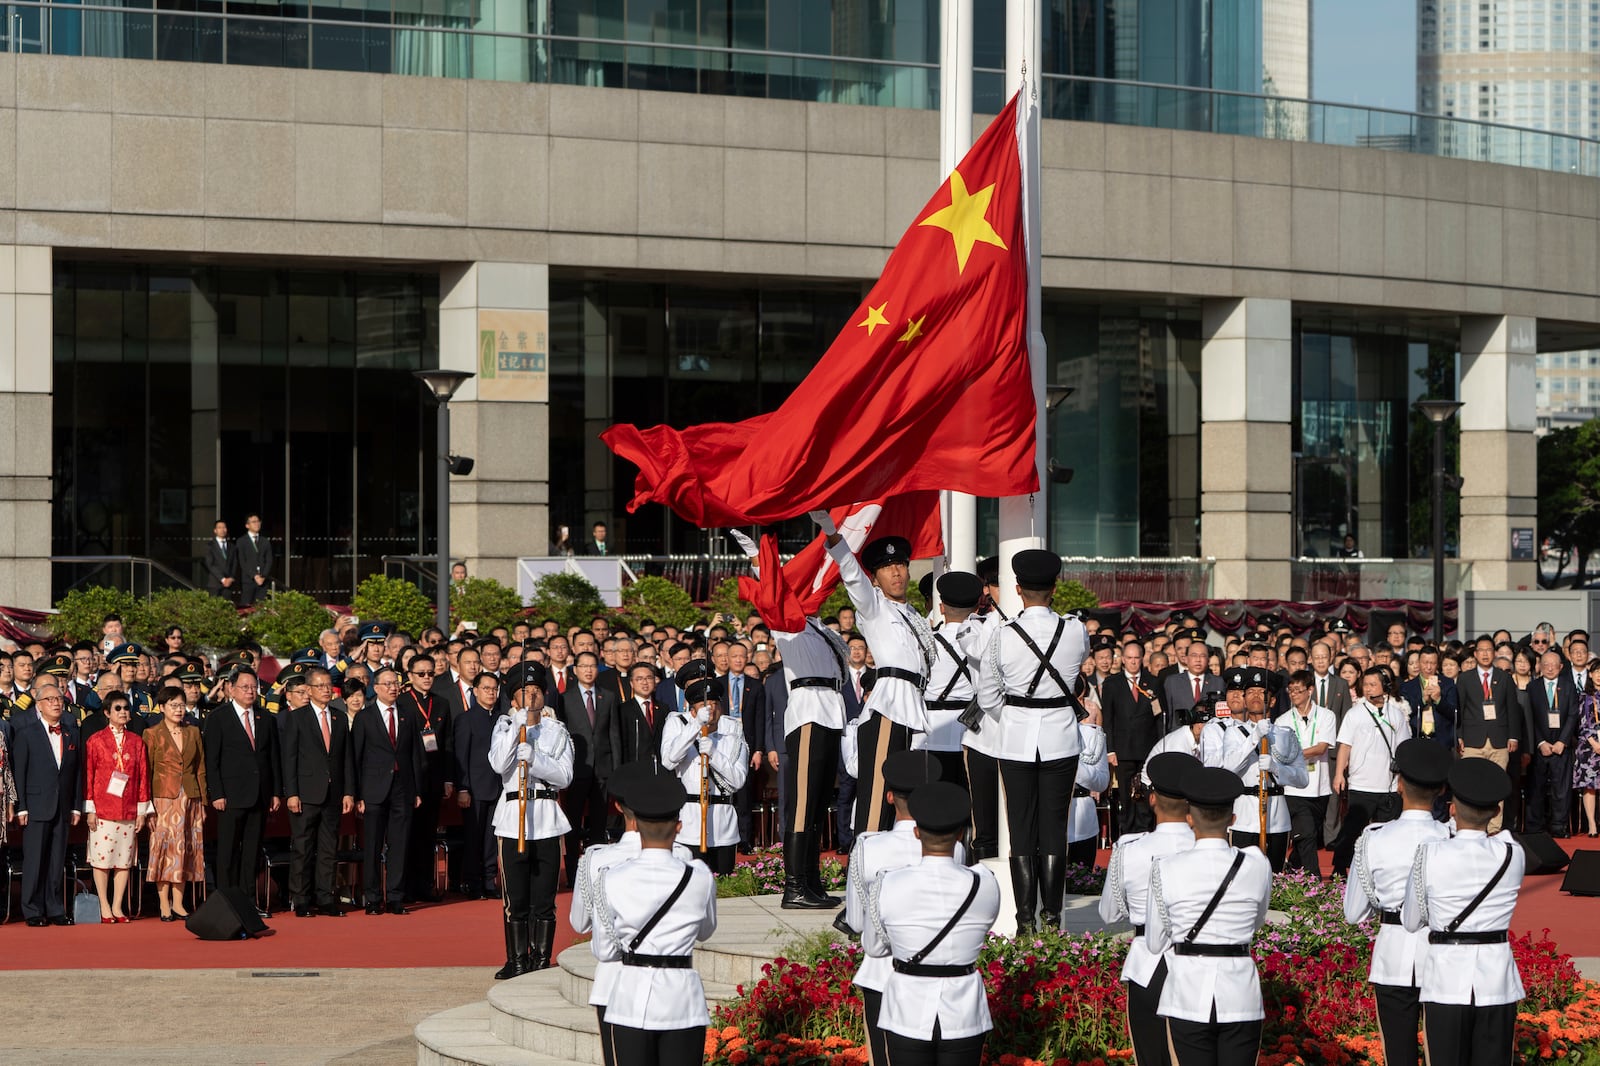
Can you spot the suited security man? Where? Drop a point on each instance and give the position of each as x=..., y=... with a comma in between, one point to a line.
x=1553, y=734
x=641, y=718
x=776, y=689
x=590, y=714
x=389, y=768
x=855, y=698
x=745, y=700
x=478, y=788
x=220, y=562
x=1189, y=685
x=254, y=555
x=319, y=775
x=439, y=755
x=47, y=760
x=1134, y=718
x=243, y=776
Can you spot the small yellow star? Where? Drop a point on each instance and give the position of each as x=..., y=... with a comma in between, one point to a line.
x=874, y=318
x=913, y=329
x=965, y=220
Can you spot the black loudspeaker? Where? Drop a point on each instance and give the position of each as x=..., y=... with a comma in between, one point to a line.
x=1583, y=876
x=1544, y=855
x=1110, y=620
x=1378, y=623
x=227, y=914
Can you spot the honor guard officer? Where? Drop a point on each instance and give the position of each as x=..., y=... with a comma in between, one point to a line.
x=533, y=766
x=1237, y=748
x=932, y=919
x=1206, y=904
x=875, y=854
x=650, y=911
x=1093, y=777
x=1184, y=740
x=951, y=685
x=1462, y=891
x=982, y=769
x=701, y=744
x=1025, y=691
x=1126, y=896
x=902, y=651
x=1377, y=886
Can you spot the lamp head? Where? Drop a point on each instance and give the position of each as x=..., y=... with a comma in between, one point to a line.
x=1438, y=410
x=442, y=383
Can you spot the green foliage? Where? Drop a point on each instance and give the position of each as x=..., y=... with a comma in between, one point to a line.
x=568, y=598
x=1072, y=596
x=287, y=620
x=484, y=601
x=1569, y=490
x=81, y=612
x=837, y=599
x=725, y=599
x=660, y=600
x=386, y=599
x=208, y=621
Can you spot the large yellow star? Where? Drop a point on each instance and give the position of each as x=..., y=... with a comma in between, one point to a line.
x=965, y=220
x=913, y=329
x=874, y=318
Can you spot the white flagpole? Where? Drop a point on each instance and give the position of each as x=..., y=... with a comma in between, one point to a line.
x=959, y=511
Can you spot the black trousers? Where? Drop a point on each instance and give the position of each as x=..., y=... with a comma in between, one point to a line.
x=1214, y=1043
x=952, y=766
x=585, y=805
x=528, y=878
x=811, y=758
x=1145, y=1031
x=1550, y=794
x=780, y=774
x=1362, y=809
x=720, y=860
x=239, y=846
x=1398, y=1015
x=1133, y=814
x=1306, y=815
x=44, y=860
x=313, y=840
x=1038, y=797
x=940, y=1051
x=877, y=739
x=605, y=1037
x=478, y=867
x=742, y=800
x=1084, y=852
x=1277, y=845
x=1469, y=1035
x=424, y=841
x=670, y=1047
x=844, y=812
x=871, y=1007
x=386, y=825
x=983, y=783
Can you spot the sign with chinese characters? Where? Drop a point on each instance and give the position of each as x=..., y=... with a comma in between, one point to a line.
x=1521, y=542
x=513, y=356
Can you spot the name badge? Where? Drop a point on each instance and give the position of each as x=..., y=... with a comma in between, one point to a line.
x=430, y=740
x=1488, y=712
x=1311, y=770
x=1155, y=708
x=119, y=783
x=1554, y=718
x=1427, y=723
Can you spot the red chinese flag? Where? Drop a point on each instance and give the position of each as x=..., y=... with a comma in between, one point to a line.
x=785, y=594
x=928, y=387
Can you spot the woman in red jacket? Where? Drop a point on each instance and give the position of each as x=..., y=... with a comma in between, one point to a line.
x=117, y=801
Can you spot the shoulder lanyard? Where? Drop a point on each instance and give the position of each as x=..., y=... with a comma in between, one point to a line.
x=1380, y=723
x=1304, y=742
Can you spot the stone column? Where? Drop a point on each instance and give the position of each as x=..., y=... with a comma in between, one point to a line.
x=1245, y=463
x=1499, y=466
x=26, y=419
x=494, y=322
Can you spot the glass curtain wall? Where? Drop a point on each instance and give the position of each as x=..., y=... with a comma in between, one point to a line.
x=184, y=394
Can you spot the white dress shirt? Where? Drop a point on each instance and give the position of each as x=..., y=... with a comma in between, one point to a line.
x=730, y=765
x=906, y=909
x=1373, y=734
x=1384, y=856
x=1028, y=733
x=899, y=638
x=1094, y=774
x=1235, y=746
x=873, y=855
x=549, y=770
x=1126, y=891
x=812, y=653
x=947, y=684
x=1181, y=885
x=1445, y=876
x=627, y=896
x=1317, y=726
x=596, y=859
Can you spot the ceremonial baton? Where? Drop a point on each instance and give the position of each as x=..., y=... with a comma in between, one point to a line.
x=522, y=794
x=705, y=788
x=1261, y=795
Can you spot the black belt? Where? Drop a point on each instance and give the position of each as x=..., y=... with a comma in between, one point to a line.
x=657, y=962
x=1138, y=930
x=715, y=799
x=947, y=705
x=535, y=794
x=832, y=684
x=1217, y=951
x=1496, y=937
x=1039, y=702
x=1079, y=792
x=904, y=675
x=1389, y=917
x=1273, y=790
x=922, y=969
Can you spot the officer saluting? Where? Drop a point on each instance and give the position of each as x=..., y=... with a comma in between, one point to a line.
x=1025, y=691
x=1236, y=746
x=541, y=763
x=933, y=918
x=1384, y=856
x=1126, y=896
x=1206, y=904
x=651, y=910
x=701, y=738
x=1462, y=891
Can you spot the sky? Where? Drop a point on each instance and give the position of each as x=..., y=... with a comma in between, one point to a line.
x=1365, y=52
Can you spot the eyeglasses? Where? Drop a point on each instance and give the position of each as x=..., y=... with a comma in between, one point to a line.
x=391, y=683
x=422, y=673
x=120, y=707
x=321, y=684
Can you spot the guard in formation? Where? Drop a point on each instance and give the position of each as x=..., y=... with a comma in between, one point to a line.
x=1266, y=758
x=709, y=754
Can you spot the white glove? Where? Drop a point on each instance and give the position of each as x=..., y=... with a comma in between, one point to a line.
x=704, y=744
x=824, y=522
x=703, y=716
x=747, y=545
x=524, y=752
x=1264, y=764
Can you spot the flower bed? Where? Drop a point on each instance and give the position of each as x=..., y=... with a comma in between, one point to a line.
x=1057, y=1001
x=762, y=874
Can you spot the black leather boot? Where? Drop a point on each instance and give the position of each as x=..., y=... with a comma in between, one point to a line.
x=1025, y=886
x=813, y=869
x=516, y=952
x=543, y=943
x=1052, y=890
x=797, y=894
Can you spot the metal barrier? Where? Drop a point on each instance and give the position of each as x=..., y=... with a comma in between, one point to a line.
x=141, y=576
x=1142, y=580
x=1317, y=580
x=698, y=575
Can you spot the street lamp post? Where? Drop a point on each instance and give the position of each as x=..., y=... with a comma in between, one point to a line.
x=1439, y=412
x=442, y=384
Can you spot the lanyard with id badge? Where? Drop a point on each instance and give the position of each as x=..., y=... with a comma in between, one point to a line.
x=119, y=778
x=1489, y=711
x=430, y=739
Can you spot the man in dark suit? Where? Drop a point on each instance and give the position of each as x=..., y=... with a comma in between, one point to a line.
x=1181, y=687
x=776, y=701
x=389, y=769
x=1553, y=735
x=478, y=789
x=855, y=699
x=47, y=761
x=438, y=754
x=319, y=776
x=220, y=560
x=1433, y=700
x=598, y=544
x=1134, y=718
x=1328, y=689
x=640, y=720
x=1489, y=718
x=590, y=715
x=244, y=778
x=253, y=553
x=745, y=700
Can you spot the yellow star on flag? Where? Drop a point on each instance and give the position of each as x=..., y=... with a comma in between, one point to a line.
x=913, y=329
x=874, y=318
x=965, y=220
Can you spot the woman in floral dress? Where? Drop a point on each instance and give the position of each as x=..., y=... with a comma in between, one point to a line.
x=1586, y=767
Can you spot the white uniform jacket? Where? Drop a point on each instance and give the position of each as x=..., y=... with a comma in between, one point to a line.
x=1384, y=856
x=596, y=859
x=850, y=748
x=1445, y=876
x=951, y=685
x=899, y=638
x=1181, y=740
x=730, y=765
x=875, y=854
x=627, y=896
x=1318, y=726
x=906, y=909
x=1180, y=887
x=548, y=773
x=1127, y=889
x=975, y=642
x=1236, y=747
x=1028, y=733
x=1094, y=775
x=813, y=654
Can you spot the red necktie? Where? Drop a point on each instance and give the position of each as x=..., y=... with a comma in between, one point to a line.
x=327, y=737
x=561, y=682
x=649, y=719
x=1197, y=690
x=390, y=716
x=1485, y=676
x=249, y=727
x=588, y=701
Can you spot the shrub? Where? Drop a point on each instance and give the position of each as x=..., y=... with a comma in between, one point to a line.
x=568, y=598
x=661, y=601
x=725, y=599
x=208, y=621
x=1072, y=596
x=288, y=620
x=81, y=612
x=386, y=599
x=484, y=601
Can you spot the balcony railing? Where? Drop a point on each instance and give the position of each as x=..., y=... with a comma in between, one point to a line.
x=1314, y=580
x=142, y=577
x=1142, y=580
